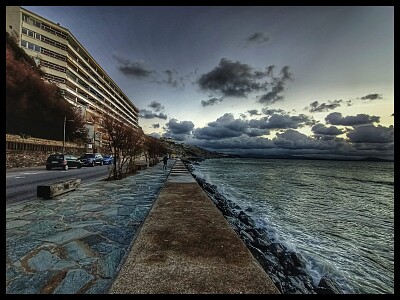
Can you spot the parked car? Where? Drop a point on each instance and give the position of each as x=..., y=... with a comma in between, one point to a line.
x=64, y=161
x=108, y=160
x=91, y=159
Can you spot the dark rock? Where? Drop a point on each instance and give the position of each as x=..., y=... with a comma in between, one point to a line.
x=277, y=249
x=245, y=237
x=245, y=219
x=327, y=286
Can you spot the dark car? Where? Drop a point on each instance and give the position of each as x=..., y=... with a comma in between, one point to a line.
x=64, y=161
x=91, y=159
x=108, y=160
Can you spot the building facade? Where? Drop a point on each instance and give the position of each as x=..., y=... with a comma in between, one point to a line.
x=66, y=63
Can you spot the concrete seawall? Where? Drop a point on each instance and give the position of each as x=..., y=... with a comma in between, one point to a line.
x=186, y=246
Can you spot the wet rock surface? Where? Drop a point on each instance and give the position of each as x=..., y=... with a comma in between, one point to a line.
x=286, y=268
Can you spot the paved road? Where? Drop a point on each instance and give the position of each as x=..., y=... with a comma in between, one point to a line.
x=21, y=183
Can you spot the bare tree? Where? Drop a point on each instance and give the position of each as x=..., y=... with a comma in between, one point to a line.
x=117, y=132
x=134, y=148
x=154, y=149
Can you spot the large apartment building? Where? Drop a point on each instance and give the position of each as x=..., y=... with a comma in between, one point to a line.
x=66, y=63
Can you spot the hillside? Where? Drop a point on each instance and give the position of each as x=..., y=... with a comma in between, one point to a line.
x=189, y=152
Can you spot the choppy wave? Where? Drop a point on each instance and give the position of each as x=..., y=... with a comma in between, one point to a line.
x=338, y=215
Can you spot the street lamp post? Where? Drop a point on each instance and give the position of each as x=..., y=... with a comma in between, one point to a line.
x=65, y=120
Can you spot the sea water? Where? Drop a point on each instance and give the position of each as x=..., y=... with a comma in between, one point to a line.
x=338, y=214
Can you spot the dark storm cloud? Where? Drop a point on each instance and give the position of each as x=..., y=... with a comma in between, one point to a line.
x=270, y=70
x=256, y=38
x=215, y=133
x=147, y=114
x=231, y=79
x=138, y=70
x=227, y=126
x=269, y=112
x=360, y=119
x=156, y=125
x=156, y=106
x=224, y=127
x=292, y=139
x=175, y=127
x=364, y=141
x=228, y=121
x=178, y=131
x=172, y=79
x=371, y=134
x=236, y=143
x=156, y=112
x=278, y=86
x=134, y=69
x=254, y=132
x=372, y=97
x=320, y=129
x=253, y=112
x=211, y=101
x=239, y=80
x=317, y=107
x=278, y=121
x=262, y=123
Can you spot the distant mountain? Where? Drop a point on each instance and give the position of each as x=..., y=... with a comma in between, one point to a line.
x=375, y=159
x=186, y=151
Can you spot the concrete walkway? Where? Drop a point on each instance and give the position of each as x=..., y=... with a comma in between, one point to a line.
x=185, y=246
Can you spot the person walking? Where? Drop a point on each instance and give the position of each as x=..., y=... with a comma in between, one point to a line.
x=165, y=160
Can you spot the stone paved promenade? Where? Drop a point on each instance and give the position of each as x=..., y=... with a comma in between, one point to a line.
x=75, y=243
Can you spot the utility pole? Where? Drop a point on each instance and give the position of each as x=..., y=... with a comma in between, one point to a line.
x=63, y=150
x=65, y=121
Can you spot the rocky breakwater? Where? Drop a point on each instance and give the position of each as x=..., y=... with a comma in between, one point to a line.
x=286, y=268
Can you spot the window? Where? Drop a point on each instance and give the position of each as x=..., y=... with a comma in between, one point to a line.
x=25, y=18
x=53, y=66
x=30, y=46
x=30, y=20
x=31, y=33
x=53, y=54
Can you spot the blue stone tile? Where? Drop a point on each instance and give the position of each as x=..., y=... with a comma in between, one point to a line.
x=73, y=282
x=104, y=248
x=108, y=264
x=78, y=251
x=16, y=248
x=43, y=261
x=116, y=234
x=100, y=287
x=29, y=284
x=66, y=236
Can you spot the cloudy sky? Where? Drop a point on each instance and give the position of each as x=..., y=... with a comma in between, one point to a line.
x=314, y=81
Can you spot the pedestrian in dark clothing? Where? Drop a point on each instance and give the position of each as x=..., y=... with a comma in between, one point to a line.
x=165, y=160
